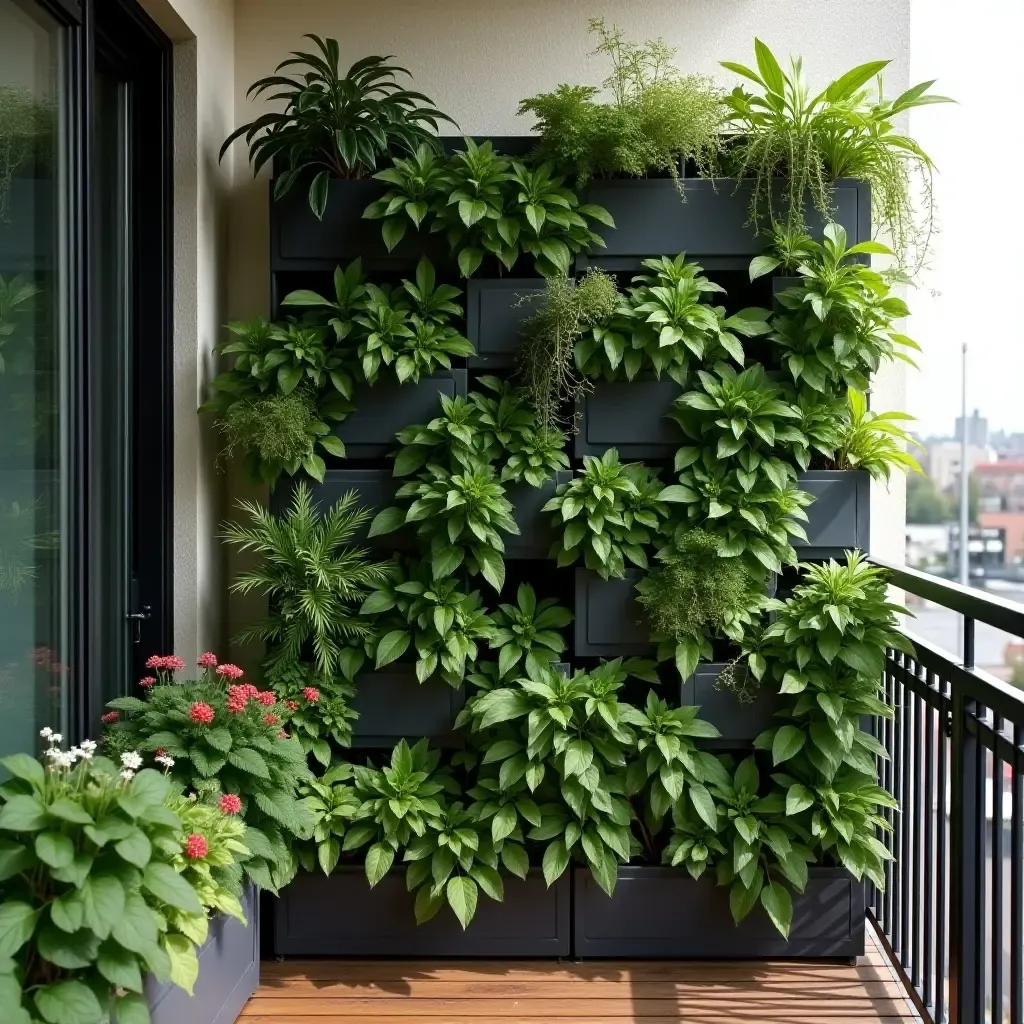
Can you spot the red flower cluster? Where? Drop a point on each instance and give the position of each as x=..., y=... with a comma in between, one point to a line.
x=147, y=681
x=165, y=662
x=110, y=716
x=237, y=699
x=207, y=660
x=196, y=846
x=230, y=803
x=311, y=693
x=201, y=712
x=292, y=705
x=270, y=719
x=229, y=671
x=266, y=697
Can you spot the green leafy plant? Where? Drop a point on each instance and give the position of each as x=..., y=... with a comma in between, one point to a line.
x=527, y=632
x=16, y=295
x=332, y=804
x=27, y=139
x=335, y=125
x=416, y=182
x=607, y=514
x=452, y=439
x=657, y=116
x=814, y=138
x=314, y=576
x=874, y=441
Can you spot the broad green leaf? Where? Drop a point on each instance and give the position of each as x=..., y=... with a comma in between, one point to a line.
x=788, y=742
x=163, y=882
x=555, y=861
x=68, y=1002
x=17, y=922
x=778, y=903
x=379, y=859
x=55, y=849
x=119, y=966
x=131, y=1009
x=183, y=959
x=462, y=896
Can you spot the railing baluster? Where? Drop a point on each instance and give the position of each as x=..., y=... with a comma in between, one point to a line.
x=997, y=877
x=889, y=734
x=908, y=897
x=1016, y=896
x=942, y=881
x=896, y=920
x=918, y=886
x=926, y=798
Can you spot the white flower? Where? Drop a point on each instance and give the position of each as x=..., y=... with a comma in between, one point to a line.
x=167, y=762
x=55, y=737
x=46, y=733
x=127, y=774
x=132, y=759
x=61, y=758
x=89, y=747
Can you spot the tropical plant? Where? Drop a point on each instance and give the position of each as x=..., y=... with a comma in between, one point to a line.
x=416, y=183
x=221, y=738
x=91, y=898
x=610, y=512
x=811, y=139
x=332, y=803
x=527, y=632
x=537, y=455
x=657, y=116
x=568, y=310
x=16, y=294
x=662, y=325
x=335, y=125
x=874, y=441
x=818, y=424
x=312, y=573
x=451, y=439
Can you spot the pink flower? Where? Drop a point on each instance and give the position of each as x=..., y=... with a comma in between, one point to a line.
x=173, y=663
x=155, y=661
x=311, y=693
x=282, y=735
x=201, y=712
x=235, y=705
x=147, y=681
x=293, y=705
x=229, y=671
x=207, y=660
x=196, y=846
x=110, y=716
x=165, y=662
x=266, y=697
x=230, y=803
x=270, y=719
x=249, y=689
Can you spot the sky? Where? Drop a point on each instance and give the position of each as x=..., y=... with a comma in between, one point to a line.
x=974, y=288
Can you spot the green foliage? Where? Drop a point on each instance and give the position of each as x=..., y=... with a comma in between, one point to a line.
x=527, y=632
x=26, y=141
x=811, y=139
x=331, y=805
x=280, y=429
x=315, y=578
x=663, y=325
x=16, y=294
x=336, y=125
x=874, y=441
x=568, y=310
x=610, y=512
x=657, y=117
x=926, y=503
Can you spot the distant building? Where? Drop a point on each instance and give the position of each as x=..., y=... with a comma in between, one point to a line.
x=986, y=548
x=927, y=545
x=1001, y=502
x=977, y=429
x=1006, y=445
x=942, y=462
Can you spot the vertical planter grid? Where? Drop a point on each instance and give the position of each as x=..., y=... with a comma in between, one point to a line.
x=495, y=311
x=394, y=705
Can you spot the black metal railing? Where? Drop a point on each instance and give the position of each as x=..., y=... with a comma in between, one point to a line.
x=951, y=911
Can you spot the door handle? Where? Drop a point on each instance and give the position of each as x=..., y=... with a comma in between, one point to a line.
x=137, y=618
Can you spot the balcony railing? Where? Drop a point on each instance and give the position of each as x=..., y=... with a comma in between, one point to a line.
x=951, y=911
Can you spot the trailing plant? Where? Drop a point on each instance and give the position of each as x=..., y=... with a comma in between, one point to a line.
x=609, y=513
x=662, y=325
x=568, y=310
x=527, y=632
x=91, y=898
x=874, y=441
x=657, y=117
x=313, y=575
x=222, y=738
x=696, y=596
x=335, y=125
x=812, y=139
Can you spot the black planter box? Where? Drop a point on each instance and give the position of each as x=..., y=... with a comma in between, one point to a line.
x=610, y=623
x=229, y=971
x=738, y=723
x=341, y=915
x=839, y=519
x=535, y=536
x=663, y=912
x=494, y=316
x=387, y=407
x=630, y=416
x=651, y=219
x=393, y=705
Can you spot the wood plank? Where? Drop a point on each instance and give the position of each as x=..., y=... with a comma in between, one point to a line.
x=738, y=1015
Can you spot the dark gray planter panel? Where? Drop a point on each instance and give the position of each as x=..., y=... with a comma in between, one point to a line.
x=341, y=915
x=629, y=416
x=393, y=705
x=229, y=971
x=31, y=203
x=494, y=316
x=840, y=516
x=738, y=723
x=535, y=537
x=651, y=219
x=387, y=407
x=610, y=622
x=663, y=912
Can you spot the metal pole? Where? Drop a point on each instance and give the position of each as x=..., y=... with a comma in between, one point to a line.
x=964, y=475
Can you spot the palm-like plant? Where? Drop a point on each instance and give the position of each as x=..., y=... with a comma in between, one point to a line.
x=874, y=441
x=339, y=125
x=315, y=578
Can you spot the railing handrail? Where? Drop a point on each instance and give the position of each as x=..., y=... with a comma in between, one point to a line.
x=973, y=604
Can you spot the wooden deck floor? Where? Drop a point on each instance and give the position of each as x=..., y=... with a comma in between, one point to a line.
x=516, y=992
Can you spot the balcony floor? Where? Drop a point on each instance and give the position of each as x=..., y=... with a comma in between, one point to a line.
x=602, y=992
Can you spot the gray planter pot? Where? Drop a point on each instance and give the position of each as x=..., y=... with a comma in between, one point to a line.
x=653, y=907
x=629, y=416
x=341, y=915
x=840, y=516
x=387, y=407
x=738, y=723
x=652, y=220
x=393, y=705
x=229, y=971
x=535, y=537
x=494, y=316
x=610, y=623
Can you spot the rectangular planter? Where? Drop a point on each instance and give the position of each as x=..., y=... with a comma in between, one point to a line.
x=494, y=316
x=663, y=912
x=839, y=517
x=610, y=622
x=535, y=538
x=229, y=971
x=651, y=219
x=738, y=723
x=387, y=407
x=393, y=705
x=630, y=416
x=341, y=915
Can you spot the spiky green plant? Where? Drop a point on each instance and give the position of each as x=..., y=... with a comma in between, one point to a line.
x=874, y=441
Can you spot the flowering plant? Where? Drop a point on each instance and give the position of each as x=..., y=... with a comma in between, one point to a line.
x=224, y=737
